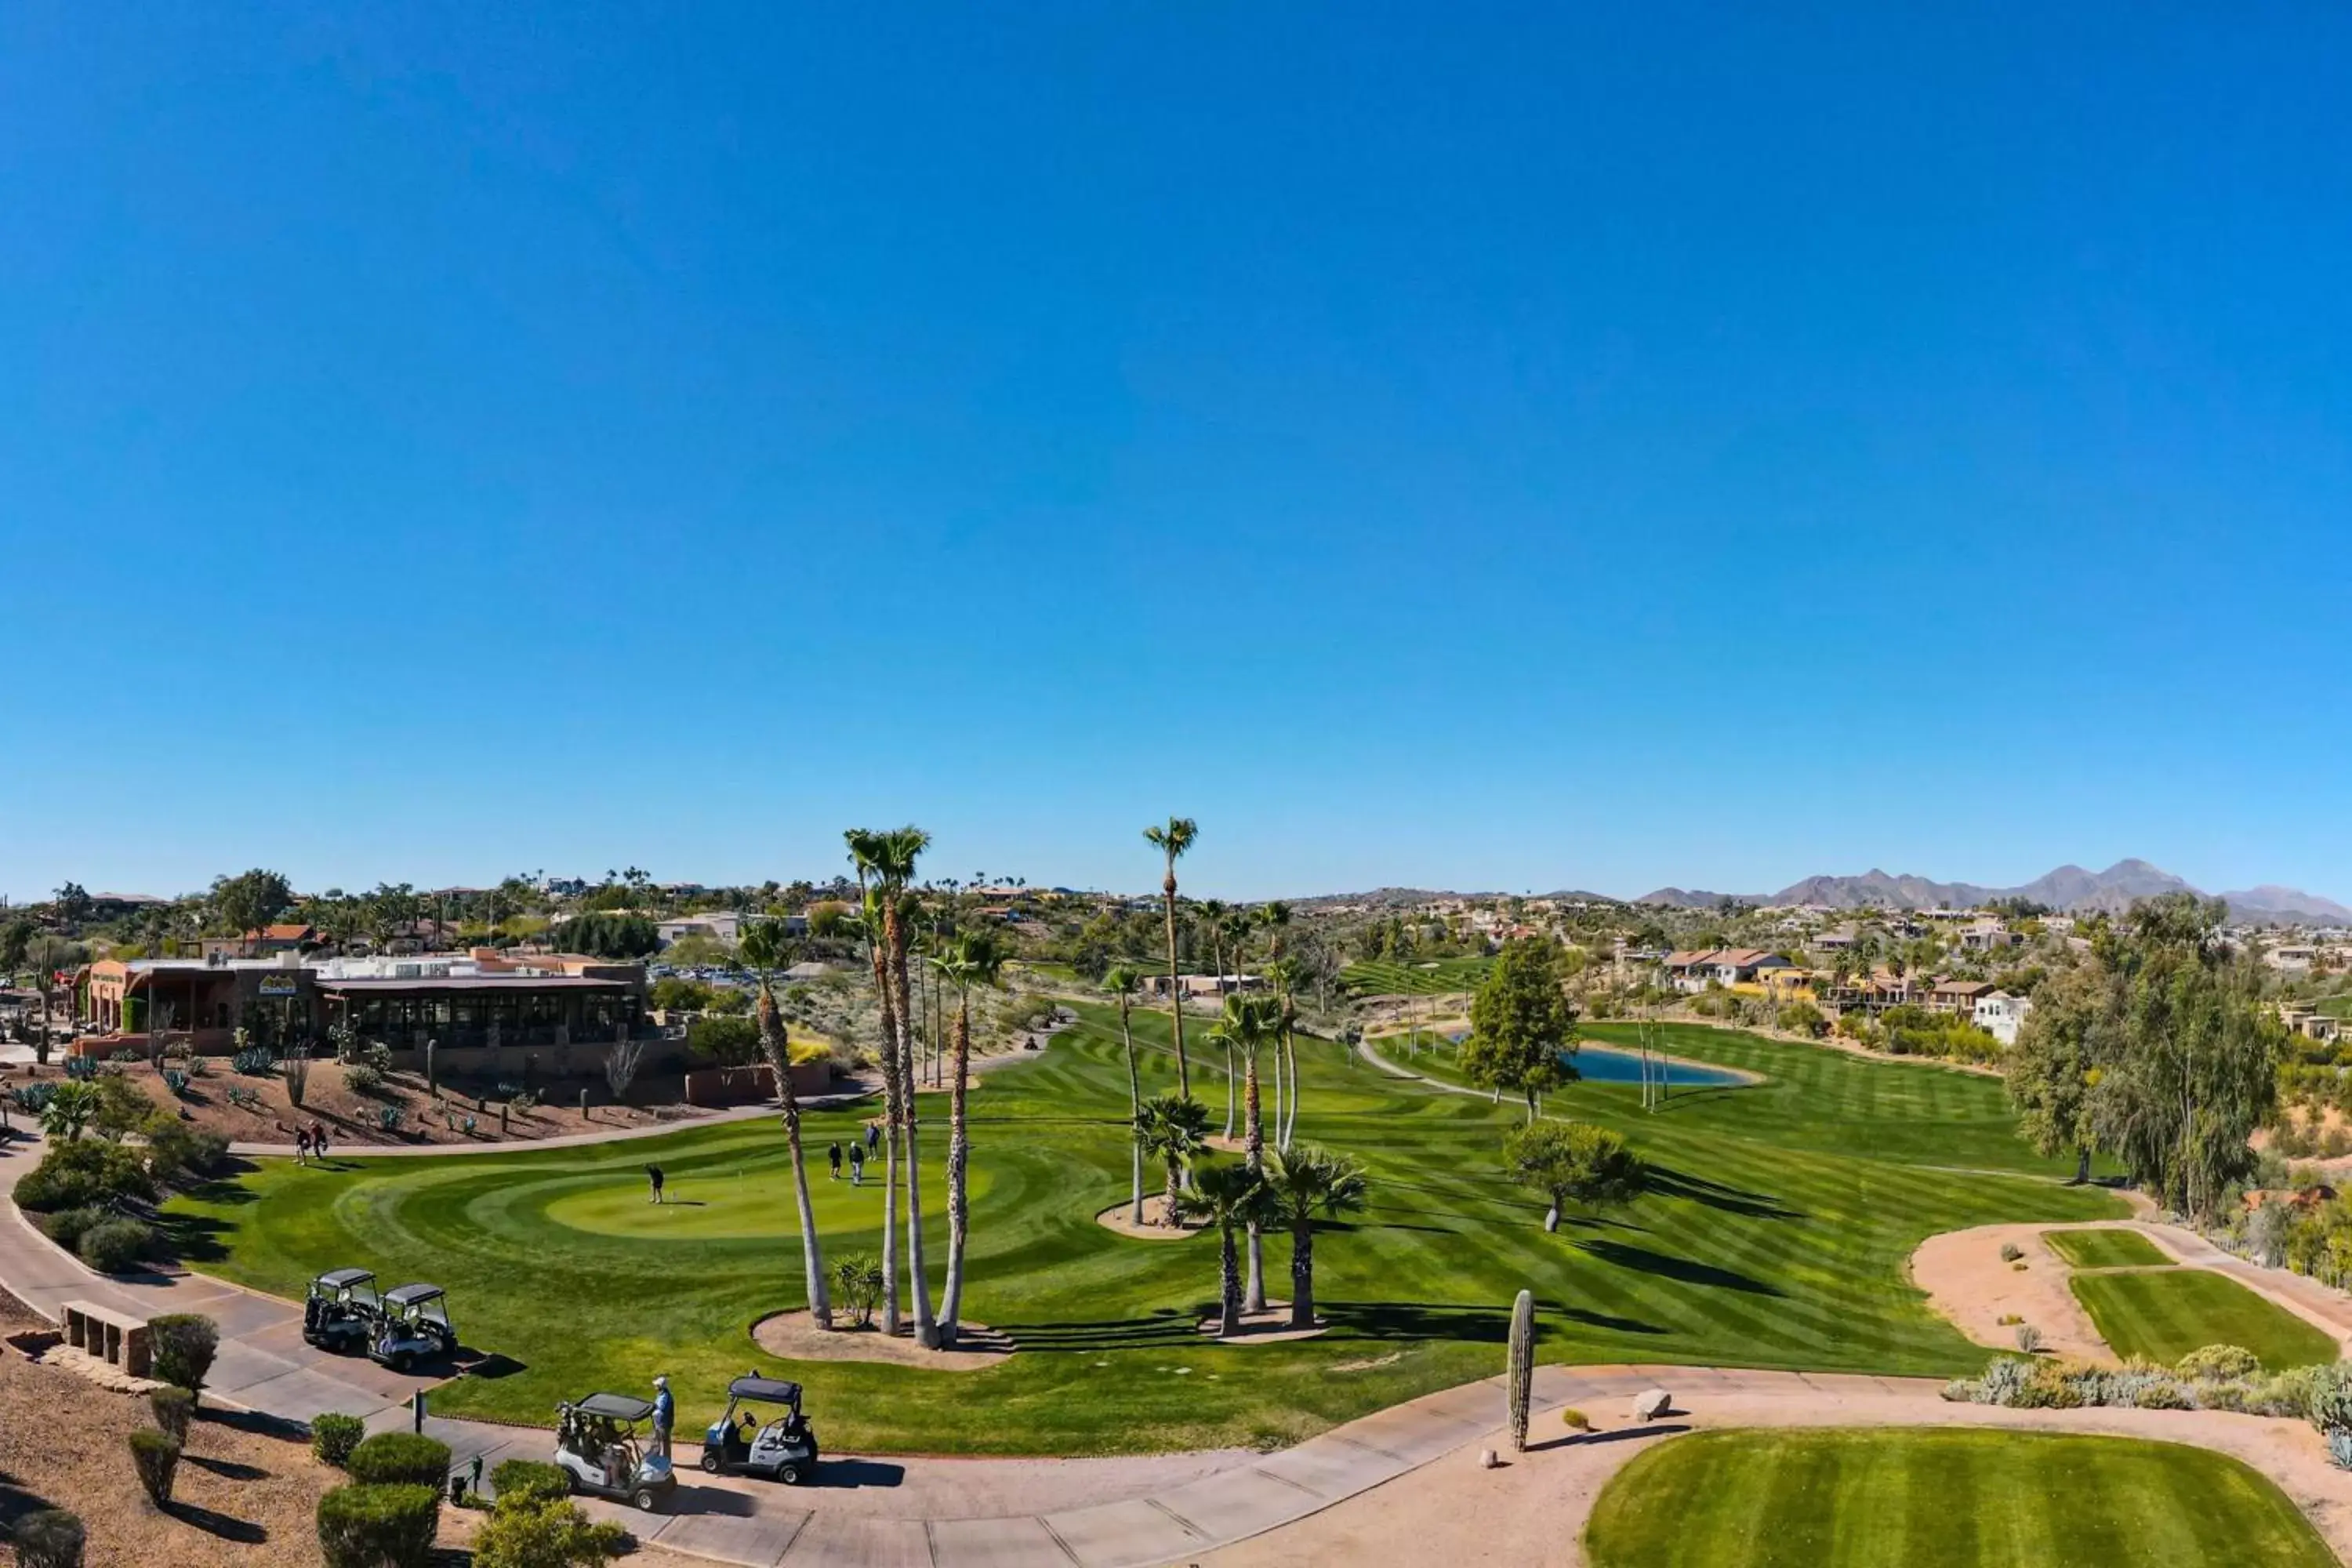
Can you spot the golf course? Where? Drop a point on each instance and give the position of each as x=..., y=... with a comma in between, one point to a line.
x=1773, y=1235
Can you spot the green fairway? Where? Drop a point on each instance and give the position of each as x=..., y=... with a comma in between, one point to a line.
x=2164, y=1313
x=1757, y=1246
x=2105, y=1248
x=1914, y=1498
x=1434, y=977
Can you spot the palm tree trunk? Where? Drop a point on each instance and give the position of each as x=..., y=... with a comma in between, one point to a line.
x=1134, y=1106
x=1290, y=1056
x=1175, y=991
x=778, y=1046
x=1302, y=1276
x=890, y=1122
x=1217, y=948
x=1168, y=1215
x=925, y=1327
x=1229, y=1295
x=1254, y=1148
x=959, y=1162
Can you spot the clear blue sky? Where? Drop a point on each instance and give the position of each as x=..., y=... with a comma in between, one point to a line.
x=1455, y=445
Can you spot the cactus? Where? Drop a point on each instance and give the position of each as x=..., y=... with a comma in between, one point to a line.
x=1523, y=1365
x=431, y=1085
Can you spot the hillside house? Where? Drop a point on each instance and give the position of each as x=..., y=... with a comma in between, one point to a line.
x=1957, y=996
x=2002, y=1013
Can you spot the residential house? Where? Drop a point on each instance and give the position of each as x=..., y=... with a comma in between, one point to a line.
x=719, y=925
x=2002, y=1013
x=1958, y=997
x=1201, y=985
x=267, y=943
x=1986, y=936
x=1694, y=970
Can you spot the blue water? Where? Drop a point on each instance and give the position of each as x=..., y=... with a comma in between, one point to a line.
x=1601, y=1063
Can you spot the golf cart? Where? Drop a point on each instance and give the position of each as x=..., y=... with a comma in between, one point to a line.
x=340, y=1310
x=596, y=1445
x=413, y=1325
x=783, y=1448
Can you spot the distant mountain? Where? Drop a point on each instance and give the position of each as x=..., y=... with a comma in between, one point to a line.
x=2069, y=887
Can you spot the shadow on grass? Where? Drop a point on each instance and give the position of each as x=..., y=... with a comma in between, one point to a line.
x=1168, y=1326
x=1667, y=1181
x=195, y=1238
x=1688, y=1272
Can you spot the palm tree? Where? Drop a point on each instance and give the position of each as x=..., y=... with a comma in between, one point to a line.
x=1213, y=920
x=973, y=960
x=1249, y=1022
x=1302, y=1183
x=764, y=949
x=1121, y=982
x=68, y=1110
x=895, y=856
x=1173, y=1128
x=1229, y=1197
x=1275, y=917
x=1172, y=841
x=865, y=854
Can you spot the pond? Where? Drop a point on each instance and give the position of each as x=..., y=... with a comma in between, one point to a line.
x=1605, y=1064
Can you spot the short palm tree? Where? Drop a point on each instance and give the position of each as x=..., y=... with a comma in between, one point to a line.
x=763, y=950
x=1229, y=1197
x=1303, y=1184
x=1173, y=1128
x=1172, y=841
x=69, y=1110
x=1121, y=982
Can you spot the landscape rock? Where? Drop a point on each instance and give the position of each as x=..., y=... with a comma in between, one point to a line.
x=1651, y=1404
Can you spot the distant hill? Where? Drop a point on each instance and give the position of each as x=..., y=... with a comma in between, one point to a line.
x=2069, y=887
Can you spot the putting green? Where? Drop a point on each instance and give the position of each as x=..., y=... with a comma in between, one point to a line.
x=1915, y=1497
x=719, y=1204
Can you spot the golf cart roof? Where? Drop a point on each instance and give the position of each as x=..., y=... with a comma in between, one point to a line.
x=410, y=1295
x=342, y=1278
x=616, y=1406
x=774, y=1389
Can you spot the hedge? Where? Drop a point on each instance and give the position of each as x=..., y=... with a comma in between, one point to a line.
x=379, y=1526
x=396, y=1458
x=185, y=1343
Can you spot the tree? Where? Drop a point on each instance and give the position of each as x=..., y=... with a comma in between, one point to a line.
x=1521, y=1024
x=1172, y=841
x=1574, y=1163
x=1303, y=1184
x=1251, y=1023
x=1121, y=982
x=1228, y=1197
x=15, y=943
x=69, y=1110
x=48, y=955
x=73, y=905
x=2055, y=1064
x=249, y=901
x=1275, y=916
x=603, y=934
x=973, y=960
x=1172, y=1128
x=884, y=862
x=764, y=946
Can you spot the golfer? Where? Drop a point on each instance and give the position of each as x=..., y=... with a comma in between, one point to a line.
x=857, y=1164
x=872, y=1135
x=654, y=1174
x=319, y=1141
x=302, y=1145
x=665, y=1413
x=834, y=1155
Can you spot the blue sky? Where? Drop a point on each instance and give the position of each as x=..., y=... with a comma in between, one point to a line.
x=1474, y=445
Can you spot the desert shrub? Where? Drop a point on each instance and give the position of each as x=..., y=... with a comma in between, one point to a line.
x=362, y=1079
x=175, y=1408
x=49, y=1537
x=527, y=1480
x=67, y=1227
x=87, y=1172
x=2161, y=1393
x=545, y=1533
x=723, y=1041
x=2003, y=1382
x=334, y=1436
x=1576, y=1419
x=379, y=1526
x=113, y=1246
x=2328, y=1404
x=156, y=1456
x=2214, y=1364
x=176, y=1153
x=399, y=1458
x=2053, y=1385
x=185, y=1343
x=2011, y=1252
x=2029, y=1338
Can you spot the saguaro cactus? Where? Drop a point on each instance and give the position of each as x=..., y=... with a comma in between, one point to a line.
x=432, y=1082
x=1523, y=1365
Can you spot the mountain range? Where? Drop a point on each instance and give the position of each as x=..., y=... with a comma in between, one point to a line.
x=2069, y=887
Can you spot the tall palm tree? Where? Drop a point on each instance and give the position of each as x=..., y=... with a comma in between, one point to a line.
x=1213, y=920
x=899, y=848
x=865, y=854
x=1229, y=1197
x=1303, y=1183
x=1172, y=842
x=1173, y=1128
x=973, y=960
x=1250, y=1022
x=1275, y=916
x=1121, y=982
x=764, y=949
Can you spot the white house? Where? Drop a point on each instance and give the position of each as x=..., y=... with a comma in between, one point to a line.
x=2001, y=1013
x=722, y=925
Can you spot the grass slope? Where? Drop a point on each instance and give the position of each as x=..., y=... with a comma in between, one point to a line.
x=1435, y=977
x=2164, y=1313
x=1756, y=1249
x=1898, y=1497
x=2105, y=1248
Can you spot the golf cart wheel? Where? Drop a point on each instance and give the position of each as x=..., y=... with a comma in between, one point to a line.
x=399, y=1363
x=788, y=1474
x=710, y=1463
x=644, y=1500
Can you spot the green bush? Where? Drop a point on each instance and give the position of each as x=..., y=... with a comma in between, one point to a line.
x=175, y=1408
x=361, y=1078
x=379, y=1526
x=177, y=1151
x=113, y=1246
x=156, y=1456
x=67, y=1227
x=334, y=1437
x=545, y=1533
x=90, y=1172
x=397, y=1459
x=522, y=1481
x=723, y=1041
x=2216, y=1364
x=185, y=1343
x=49, y=1537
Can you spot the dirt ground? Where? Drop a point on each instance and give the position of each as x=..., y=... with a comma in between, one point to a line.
x=246, y=1496
x=1968, y=1281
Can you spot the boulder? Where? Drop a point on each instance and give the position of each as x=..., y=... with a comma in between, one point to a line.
x=1488, y=1460
x=1652, y=1403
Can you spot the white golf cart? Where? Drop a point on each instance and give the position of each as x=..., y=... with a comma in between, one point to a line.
x=412, y=1326
x=340, y=1310
x=597, y=1445
x=778, y=1443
